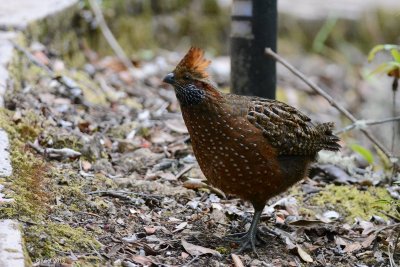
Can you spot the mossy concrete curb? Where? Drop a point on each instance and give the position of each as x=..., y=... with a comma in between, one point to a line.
x=24, y=20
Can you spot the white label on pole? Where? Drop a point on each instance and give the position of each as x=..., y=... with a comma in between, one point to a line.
x=241, y=28
x=242, y=8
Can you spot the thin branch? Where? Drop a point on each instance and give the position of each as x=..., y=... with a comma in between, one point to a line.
x=362, y=124
x=122, y=194
x=55, y=153
x=183, y=171
x=109, y=36
x=331, y=101
x=33, y=59
x=393, y=226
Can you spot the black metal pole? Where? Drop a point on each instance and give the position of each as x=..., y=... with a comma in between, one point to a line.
x=253, y=28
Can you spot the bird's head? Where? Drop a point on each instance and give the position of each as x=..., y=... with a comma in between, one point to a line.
x=190, y=79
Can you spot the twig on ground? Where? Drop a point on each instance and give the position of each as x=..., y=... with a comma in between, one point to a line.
x=395, y=225
x=96, y=251
x=394, y=218
x=396, y=242
x=191, y=261
x=112, y=194
x=390, y=256
x=54, y=153
x=362, y=124
x=110, y=37
x=122, y=194
x=331, y=101
x=183, y=171
x=33, y=59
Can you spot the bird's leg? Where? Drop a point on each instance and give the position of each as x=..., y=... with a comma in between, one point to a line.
x=249, y=238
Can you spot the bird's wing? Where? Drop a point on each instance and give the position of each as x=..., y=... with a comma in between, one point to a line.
x=287, y=129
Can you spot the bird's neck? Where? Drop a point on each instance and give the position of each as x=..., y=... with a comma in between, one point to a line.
x=197, y=94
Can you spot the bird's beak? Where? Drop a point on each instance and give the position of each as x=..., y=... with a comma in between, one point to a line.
x=170, y=78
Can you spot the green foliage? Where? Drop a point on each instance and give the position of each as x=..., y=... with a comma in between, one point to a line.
x=364, y=152
x=392, y=67
x=323, y=34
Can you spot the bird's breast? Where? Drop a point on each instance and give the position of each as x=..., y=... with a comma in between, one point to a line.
x=231, y=152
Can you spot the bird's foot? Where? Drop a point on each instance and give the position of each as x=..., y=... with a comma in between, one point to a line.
x=247, y=240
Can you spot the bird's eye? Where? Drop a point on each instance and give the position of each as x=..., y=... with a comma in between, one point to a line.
x=186, y=76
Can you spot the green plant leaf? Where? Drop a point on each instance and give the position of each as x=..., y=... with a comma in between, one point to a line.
x=323, y=34
x=377, y=48
x=374, y=50
x=383, y=201
x=395, y=54
x=364, y=152
x=385, y=67
x=383, y=158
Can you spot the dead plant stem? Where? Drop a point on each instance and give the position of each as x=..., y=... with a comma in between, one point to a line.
x=362, y=123
x=112, y=41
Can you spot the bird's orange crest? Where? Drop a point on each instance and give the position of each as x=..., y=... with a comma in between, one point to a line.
x=195, y=62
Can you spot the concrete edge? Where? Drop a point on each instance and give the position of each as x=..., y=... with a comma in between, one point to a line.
x=12, y=250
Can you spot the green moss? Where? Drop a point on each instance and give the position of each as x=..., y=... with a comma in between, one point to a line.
x=33, y=184
x=27, y=183
x=222, y=250
x=211, y=7
x=122, y=130
x=351, y=202
x=45, y=241
x=132, y=103
x=60, y=139
x=140, y=36
x=91, y=91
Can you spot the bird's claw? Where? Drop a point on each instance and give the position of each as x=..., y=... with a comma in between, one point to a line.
x=247, y=240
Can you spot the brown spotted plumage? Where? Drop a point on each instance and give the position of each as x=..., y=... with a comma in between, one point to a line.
x=252, y=147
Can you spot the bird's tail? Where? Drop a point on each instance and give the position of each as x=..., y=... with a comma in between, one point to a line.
x=328, y=140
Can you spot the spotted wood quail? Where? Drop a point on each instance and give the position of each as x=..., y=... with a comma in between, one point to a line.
x=248, y=146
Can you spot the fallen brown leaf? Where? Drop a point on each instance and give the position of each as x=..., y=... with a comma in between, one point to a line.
x=195, y=250
x=86, y=165
x=368, y=241
x=350, y=247
x=305, y=223
x=180, y=227
x=184, y=255
x=150, y=230
x=303, y=254
x=237, y=262
x=145, y=261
